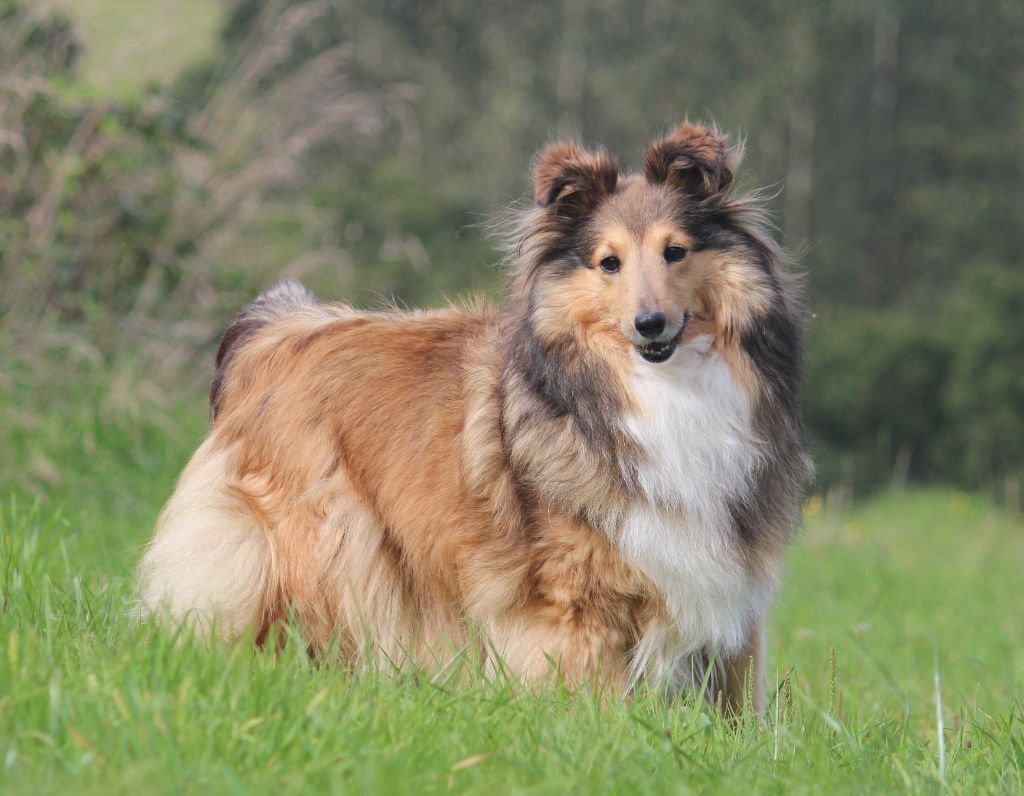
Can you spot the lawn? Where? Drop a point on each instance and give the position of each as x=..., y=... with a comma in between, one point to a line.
x=130, y=43
x=886, y=608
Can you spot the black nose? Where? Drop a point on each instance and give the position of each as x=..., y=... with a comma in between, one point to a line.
x=650, y=324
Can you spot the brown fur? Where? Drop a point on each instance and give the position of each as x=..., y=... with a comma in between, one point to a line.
x=413, y=482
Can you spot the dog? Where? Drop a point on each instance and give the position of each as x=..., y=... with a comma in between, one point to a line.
x=595, y=482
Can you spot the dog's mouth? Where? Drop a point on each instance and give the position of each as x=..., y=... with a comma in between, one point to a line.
x=657, y=352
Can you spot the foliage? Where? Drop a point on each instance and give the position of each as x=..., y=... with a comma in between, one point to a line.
x=89, y=220
x=892, y=396
x=985, y=393
x=874, y=396
x=362, y=147
x=128, y=221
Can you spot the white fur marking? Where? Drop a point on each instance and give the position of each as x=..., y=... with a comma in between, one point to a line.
x=695, y=429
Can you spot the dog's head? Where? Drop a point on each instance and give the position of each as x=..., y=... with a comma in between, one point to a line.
x=644, y=260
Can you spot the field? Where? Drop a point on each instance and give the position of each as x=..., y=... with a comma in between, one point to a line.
x=896, y=648
x=897, y=656
x=129, y=44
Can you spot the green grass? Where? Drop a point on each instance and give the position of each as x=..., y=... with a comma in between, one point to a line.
x=131, y=43
x=875, y=603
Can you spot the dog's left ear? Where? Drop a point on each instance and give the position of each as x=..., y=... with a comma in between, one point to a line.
x=698, y=160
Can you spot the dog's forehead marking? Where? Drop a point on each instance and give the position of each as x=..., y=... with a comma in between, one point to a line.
x=636, y=206
x=646, y=213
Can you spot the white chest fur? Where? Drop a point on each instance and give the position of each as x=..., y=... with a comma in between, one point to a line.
x=701, y=452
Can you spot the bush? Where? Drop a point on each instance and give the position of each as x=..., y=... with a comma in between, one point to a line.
x=936, y=397
x=139, y=226
x=873, y=396
x=985, y=391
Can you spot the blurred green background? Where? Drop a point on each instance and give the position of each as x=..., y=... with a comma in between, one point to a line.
x=162, y=162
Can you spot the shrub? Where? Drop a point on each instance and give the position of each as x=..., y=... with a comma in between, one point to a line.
x=985, y=391
x=873, y=396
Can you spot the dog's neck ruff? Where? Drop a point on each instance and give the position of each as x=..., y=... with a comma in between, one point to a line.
x=699, y=456
x=683, y=461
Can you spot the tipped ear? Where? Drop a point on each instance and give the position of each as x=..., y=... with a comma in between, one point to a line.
x=698, y=160
x=571, y=180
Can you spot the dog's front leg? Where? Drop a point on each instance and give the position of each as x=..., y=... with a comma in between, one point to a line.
x=744, y=673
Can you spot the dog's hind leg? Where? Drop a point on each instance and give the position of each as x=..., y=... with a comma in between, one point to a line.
x=209, y=565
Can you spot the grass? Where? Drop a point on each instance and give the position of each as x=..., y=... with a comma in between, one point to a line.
x=877, y=602
x=131, y=43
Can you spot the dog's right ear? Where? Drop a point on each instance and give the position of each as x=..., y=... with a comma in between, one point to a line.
x=570, y=181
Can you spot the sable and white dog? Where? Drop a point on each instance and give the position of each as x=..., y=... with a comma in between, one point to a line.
x=601, y=476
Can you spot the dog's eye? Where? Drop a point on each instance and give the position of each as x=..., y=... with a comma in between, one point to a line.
x=610, y=264
x=674, y=254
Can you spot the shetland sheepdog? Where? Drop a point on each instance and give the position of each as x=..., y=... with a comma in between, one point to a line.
x=595, y=482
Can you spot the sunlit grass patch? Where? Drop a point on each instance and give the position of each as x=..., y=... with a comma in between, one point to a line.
x=130, y=43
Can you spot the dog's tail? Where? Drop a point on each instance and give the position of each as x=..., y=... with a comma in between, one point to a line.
x=284, y=298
